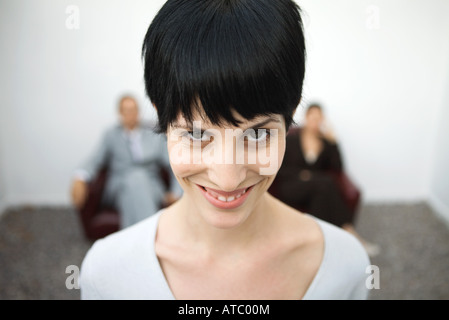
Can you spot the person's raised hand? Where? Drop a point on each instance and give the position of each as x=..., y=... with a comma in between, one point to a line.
x=328, y=132
x=79, y=193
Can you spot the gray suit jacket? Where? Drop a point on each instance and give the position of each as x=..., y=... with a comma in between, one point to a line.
x=114, y=151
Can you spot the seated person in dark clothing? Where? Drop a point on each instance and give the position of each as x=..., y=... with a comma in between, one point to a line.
x=304, y=180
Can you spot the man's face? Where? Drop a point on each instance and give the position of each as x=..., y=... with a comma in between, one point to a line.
x=129, y=113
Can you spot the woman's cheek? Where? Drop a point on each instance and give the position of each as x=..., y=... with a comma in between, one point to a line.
x=270, y=158
x=281, y=151
x=182, y=160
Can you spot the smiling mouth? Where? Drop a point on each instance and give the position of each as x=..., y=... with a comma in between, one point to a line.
x=225, y=196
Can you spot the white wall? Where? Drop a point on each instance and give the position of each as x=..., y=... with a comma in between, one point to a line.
x=2, y=201
x=59, y=87
x=439, y=189
x=382, y=88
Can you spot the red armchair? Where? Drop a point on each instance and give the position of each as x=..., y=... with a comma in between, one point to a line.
x=97, y=220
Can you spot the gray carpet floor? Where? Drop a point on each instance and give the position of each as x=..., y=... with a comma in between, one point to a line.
x=37, y=245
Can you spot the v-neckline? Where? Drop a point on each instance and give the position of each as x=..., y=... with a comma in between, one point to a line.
x=170, y=293
x=303, y=152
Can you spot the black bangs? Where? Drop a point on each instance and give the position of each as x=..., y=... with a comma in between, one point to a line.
x=224, y=55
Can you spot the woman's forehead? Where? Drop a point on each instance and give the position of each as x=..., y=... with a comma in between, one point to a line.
x=199, y=118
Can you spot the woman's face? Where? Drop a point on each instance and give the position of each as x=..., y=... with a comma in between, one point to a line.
x=314, y=119
x=225, y=171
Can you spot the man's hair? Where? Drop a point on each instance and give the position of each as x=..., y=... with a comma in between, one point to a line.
x=124, y=97
x=246, y=55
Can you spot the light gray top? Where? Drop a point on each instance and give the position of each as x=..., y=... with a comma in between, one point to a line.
x=122, y=151
x=124, y=266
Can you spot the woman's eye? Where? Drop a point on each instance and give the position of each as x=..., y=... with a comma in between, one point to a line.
x=258, y=135
x=198, y=135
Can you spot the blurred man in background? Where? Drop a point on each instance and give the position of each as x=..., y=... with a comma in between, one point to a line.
x=134, y=156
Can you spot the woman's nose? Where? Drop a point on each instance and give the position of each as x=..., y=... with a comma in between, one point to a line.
x=226, y=164
x=227, y=177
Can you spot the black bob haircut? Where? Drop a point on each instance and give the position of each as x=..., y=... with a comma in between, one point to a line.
x=246, y=55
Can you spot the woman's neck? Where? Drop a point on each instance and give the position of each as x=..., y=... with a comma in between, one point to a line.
x=310, y=132
x=222, y=241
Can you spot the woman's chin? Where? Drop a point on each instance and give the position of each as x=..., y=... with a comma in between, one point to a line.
x=225, y=219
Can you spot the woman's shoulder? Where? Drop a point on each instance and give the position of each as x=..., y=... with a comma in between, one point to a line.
x=341, y=260
x=342, y=273
x=122, y=243
x=138, y=233
x=113, y=263
x=341, y=242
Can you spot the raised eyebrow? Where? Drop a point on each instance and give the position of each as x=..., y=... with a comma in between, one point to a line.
x=255, y=126
x=182, y=126
x=263, y=123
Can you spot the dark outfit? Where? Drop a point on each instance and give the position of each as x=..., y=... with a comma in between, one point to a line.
x=318, y=192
